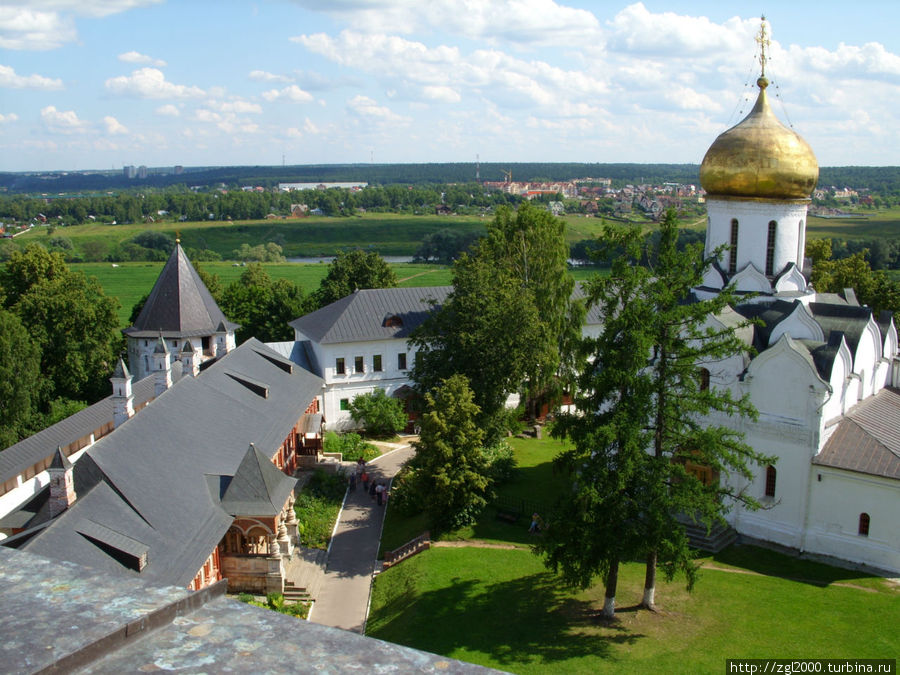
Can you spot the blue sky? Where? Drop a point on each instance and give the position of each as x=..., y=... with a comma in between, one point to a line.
x=97, y=84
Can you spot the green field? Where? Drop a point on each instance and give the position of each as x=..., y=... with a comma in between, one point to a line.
x=879, y=225
x=129, y=282
x=501, y=607
x=387, y=233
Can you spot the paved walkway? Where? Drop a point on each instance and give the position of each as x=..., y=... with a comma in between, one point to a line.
x=343, y=598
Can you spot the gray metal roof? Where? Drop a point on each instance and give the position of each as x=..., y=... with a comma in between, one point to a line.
x=383, y=313
x=850, y=320
x=867, y=440
x=28, y=452
x=179, y=304
x=362, y=315
x=151, y=473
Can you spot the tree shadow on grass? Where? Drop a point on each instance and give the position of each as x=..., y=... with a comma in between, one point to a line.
x=532, y=620
x=790, y=567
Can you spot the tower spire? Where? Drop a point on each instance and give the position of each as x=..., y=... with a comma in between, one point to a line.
x=762, y=39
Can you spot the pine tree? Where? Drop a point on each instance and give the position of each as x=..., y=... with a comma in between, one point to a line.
x=646, y=416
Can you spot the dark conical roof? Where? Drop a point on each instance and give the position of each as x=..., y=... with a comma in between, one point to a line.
x=121, y=371
x=60, y=461
x=179, y=304
x=258, y=487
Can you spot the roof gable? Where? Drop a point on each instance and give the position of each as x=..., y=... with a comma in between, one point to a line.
x=257, y=488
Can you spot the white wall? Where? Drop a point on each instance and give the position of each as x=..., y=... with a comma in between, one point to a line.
x=351, y=383
x=837, y=499
x=753, y=220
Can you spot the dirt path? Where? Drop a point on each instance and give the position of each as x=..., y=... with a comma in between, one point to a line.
x=417, y=274
x=474, y=543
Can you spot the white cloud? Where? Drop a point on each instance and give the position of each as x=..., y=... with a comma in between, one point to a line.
x=6, y=119
x=168, y=110
x=62, y=122
x=26, y=28
x=236, y=106
x=150, y=83
x=114, y=127
x=39, y=25
x=638, y=31
x=9, y=78
x=291, y=93
x=263, y=76
x=136, y=57
x=441, y=94
x=445, y=71
x=523, y=22
x=363, y=106
x=293, y=132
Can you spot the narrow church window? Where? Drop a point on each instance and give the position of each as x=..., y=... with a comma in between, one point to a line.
x=732, y=262
x=770, y=248
x=704, y=379
x=358, y=366
x=770, y=481
x=401, y=361
x=339, y=367
x=376, y=363
x=864, y=524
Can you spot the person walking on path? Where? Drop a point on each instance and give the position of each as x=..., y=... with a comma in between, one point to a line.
x=343, y=599
x=379, y=494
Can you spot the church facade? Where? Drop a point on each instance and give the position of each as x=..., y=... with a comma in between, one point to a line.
x=821, y=370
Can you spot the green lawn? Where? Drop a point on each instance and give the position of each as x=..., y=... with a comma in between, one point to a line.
x=503, y=609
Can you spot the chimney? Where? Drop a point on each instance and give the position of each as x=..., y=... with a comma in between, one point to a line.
x=190, y=364
x=62, y=484
x=162, y=366
x=122, y=396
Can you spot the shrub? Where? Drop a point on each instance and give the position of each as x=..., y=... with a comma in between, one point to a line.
x=380, y=415
x=245, y=597
x=403, y=495
x=351, y=446
x=501, y=462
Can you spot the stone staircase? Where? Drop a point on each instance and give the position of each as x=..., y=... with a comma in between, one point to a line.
x=719, y=537
x=410, y=548
x=304, y=574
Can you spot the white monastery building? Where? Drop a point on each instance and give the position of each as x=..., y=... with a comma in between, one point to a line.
x=821, y=370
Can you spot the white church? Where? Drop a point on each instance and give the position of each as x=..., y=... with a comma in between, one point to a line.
x=825, y=369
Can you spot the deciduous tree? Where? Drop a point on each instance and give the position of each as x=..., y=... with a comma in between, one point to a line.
x=69, y=318
x=351, y=271
x=20, y=379
x=262, y=306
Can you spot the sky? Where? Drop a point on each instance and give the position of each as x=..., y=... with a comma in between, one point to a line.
x=98, y=84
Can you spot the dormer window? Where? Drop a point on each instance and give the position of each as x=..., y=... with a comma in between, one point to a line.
x=392, y=321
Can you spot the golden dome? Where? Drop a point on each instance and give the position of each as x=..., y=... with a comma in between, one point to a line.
x=760, y=157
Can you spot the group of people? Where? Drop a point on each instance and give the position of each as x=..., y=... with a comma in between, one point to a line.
x=377, y=490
